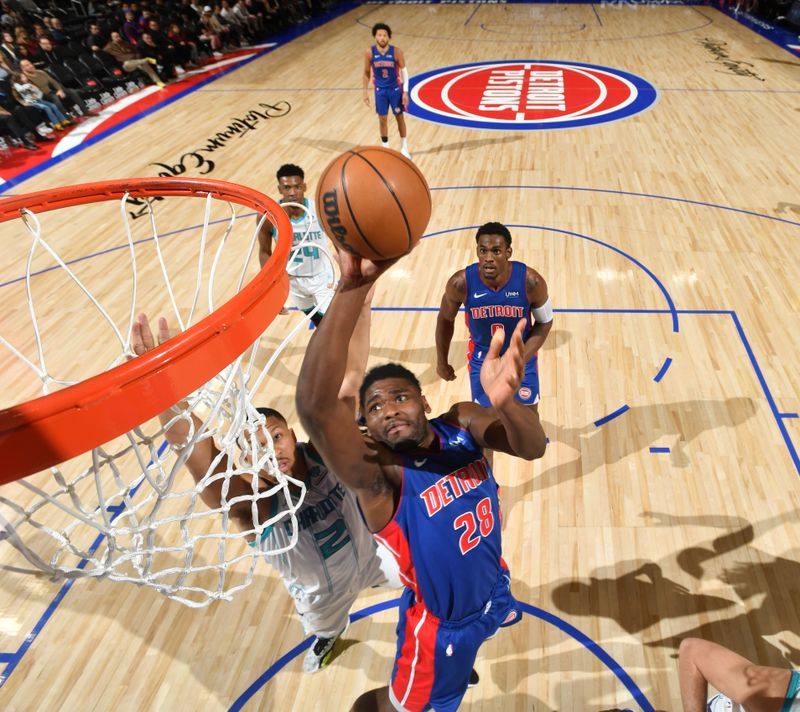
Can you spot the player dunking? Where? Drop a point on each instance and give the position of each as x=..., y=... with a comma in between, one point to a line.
x=497, y=293
x=426, y=491
x=388, y=66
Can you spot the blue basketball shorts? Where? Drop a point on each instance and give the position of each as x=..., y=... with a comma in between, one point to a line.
x=435, y=657
x=386, y=97
x=528, y=392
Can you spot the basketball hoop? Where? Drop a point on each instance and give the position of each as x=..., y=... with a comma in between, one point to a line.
x=107, y=414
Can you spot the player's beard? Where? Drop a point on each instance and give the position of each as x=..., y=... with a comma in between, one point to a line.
x=409, y=442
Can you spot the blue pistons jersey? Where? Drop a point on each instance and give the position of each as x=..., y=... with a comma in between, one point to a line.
x=488, y=309
x=384, y=68
x=445, y=533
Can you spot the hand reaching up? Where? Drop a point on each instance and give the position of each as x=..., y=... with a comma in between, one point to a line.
x=501, y=376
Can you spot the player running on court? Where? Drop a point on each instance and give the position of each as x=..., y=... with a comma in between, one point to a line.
x=426, y=491
x=387, y=64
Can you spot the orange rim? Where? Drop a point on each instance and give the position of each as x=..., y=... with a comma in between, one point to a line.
x=45, y=431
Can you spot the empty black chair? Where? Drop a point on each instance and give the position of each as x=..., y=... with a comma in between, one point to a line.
x=64, y=52
x=76, y=48
x=105, y=74
x=88, y=89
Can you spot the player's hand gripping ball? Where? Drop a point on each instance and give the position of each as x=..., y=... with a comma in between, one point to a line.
x=373, y=202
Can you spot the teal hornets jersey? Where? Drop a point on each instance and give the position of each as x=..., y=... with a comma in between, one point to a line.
x=308, y=261
x=333, y=543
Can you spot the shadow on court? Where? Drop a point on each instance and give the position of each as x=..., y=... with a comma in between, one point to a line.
x=325, y=145
x=674, y=423
x=468, y=145
x=772, y=580
x=761, y=591
x=656, y=597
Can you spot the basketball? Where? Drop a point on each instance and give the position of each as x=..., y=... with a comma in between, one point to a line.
x=373, y=202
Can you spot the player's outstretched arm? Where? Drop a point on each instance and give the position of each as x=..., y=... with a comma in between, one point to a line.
x=204, y=451
x=455, y=292
x=541, y=310
x=328, y=421
x=508, y=426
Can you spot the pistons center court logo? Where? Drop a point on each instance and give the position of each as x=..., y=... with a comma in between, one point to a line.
x=528, y=94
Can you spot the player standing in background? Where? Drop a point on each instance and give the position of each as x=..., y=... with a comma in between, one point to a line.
x=388, y=66
x=311, y=276
x=426, y=491
x=497, y=293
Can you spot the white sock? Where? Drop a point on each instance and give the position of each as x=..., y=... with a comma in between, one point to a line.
x=404, y=144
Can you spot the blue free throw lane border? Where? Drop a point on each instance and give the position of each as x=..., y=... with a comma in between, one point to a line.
x=659, y=449
x=763, y=381
x=547, y=617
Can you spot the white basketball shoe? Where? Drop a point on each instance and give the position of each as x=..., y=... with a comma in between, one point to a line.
x=720, y=703
x=321, y=652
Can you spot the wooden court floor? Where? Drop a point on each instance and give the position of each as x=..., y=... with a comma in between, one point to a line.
x=666, y=504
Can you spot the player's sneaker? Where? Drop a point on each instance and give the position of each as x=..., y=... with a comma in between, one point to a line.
x=473, y=679
x=321, y=651
x=319, y=654
x=405, y=152
x=720, y=703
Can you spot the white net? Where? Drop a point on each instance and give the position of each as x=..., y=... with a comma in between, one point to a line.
x=129, y=510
